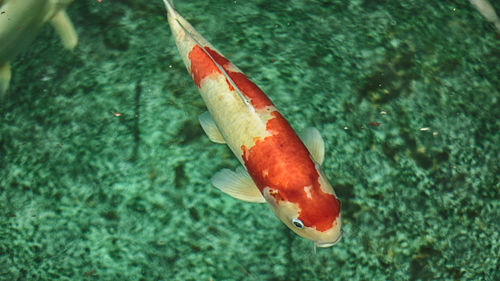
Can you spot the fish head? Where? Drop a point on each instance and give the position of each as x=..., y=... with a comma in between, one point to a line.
x=312, y=211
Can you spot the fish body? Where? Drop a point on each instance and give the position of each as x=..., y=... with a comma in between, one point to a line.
x=278, y=167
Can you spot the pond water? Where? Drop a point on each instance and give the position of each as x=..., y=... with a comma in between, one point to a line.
x=105, y=171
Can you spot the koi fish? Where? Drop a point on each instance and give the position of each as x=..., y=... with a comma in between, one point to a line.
x=486, y=9
x=20, y=22
x=279, y=168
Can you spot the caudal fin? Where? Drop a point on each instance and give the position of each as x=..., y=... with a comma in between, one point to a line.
x=170, y=7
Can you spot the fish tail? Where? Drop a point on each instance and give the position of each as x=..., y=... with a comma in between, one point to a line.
x=169, y=4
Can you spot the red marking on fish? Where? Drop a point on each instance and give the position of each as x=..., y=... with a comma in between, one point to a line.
x=376, y=124
x=276, y=195
x=257, y=98
x=203, y=66
x=289, y=170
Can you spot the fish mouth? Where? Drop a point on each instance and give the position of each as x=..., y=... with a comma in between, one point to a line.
x=329, y=244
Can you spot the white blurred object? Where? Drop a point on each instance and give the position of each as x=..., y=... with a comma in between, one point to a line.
x=485, y=8
x=20, y=22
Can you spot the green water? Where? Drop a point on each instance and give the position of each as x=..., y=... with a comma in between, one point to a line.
x=105, y=171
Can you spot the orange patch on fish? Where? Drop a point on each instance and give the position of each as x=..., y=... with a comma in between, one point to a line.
x=290, y=171
x=202, y=66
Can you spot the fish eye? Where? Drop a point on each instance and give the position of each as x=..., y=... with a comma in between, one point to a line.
x=298, y=223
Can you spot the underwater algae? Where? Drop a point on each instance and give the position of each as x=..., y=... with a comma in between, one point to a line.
x=104, y=171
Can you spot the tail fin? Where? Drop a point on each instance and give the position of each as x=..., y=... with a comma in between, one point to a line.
x=170, y=7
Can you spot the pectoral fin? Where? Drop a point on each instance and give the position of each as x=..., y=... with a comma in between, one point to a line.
x=314, y=142
x=63, y=26
x=4, y=78
x=208, y=125
x=238, y=184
